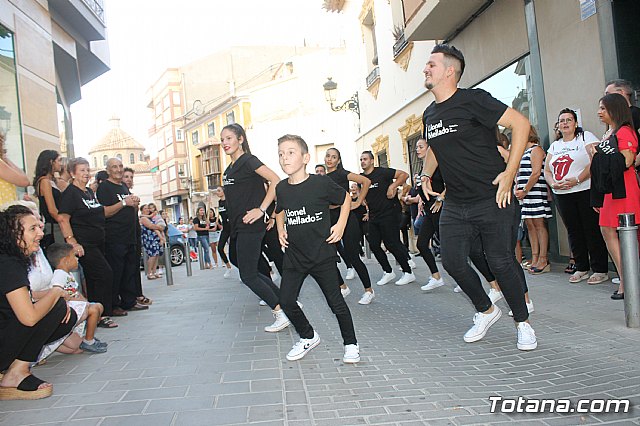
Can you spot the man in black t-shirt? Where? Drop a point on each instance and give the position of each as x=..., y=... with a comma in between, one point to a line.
x=384, y=222
x=460, y=129
x=120, y=237
x=623, y=87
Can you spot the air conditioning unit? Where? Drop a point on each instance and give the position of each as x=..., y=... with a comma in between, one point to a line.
x=179, y=135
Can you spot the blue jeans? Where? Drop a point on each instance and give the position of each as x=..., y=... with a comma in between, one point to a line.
x=204, y=242
x=460, y=225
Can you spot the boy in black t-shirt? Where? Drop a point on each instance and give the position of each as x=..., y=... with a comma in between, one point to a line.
x=305, y=231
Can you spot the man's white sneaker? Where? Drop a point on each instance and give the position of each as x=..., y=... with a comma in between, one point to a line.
x=386, y=278
x=262, y=303
x=351, y=274
x=529, y=308
x=351, y=354
x=481, y=324
x=526, y=337
x=457, y=289
x=495, y=295
x=367, y=298
x=227, y=273
x=302, y=346
x=412, y=264
x=407, y=278
x=345, y=291
x=433, y=283
x=280, y=323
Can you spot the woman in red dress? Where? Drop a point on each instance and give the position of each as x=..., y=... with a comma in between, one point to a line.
x=615, y=113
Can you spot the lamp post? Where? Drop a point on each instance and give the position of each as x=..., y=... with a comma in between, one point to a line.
x=351, y=104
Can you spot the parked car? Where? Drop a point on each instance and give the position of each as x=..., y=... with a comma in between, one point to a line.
x=177, y=246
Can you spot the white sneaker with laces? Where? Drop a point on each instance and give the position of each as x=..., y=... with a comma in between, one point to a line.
x=280, y=323
x=529, y=308
x=345, y=291
x=262, y=303
x=457, y=289
x=387, y=278
x=526, y=337
x=433, y=283
x=367, y=298
x=302, y=346
x=351, y=354
x=227, y=273
x=495, y=295
x=412, y=264
x=407, y=278
x=351, y=274
x=481, y=324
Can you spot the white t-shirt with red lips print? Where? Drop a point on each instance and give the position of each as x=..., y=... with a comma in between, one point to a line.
x=568, y=159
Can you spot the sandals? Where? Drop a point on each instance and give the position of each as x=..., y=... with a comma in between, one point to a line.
x=597, y=278
x=571, y=267
x=537, y=271
x=107, y=323
x=26, y=390
x=144, y=300
x=579, y=276
x=152, y=277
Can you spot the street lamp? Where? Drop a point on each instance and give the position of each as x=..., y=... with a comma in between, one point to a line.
x=351, y=104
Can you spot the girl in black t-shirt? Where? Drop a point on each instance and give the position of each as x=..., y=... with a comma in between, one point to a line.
x=201, y=225
x=247, y=202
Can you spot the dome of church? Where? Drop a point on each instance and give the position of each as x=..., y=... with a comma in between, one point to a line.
x=116, y=139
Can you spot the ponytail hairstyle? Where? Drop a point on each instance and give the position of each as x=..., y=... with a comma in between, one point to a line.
x=238, y=130
x=339, y=166
x=44, y=164
x=579, y=131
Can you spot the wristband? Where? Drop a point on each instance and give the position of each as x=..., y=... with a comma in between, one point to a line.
x=439, y=198
x=426, y=176
x=124, y=203
x=578, y=180
x=68, y=237
x=262, y=210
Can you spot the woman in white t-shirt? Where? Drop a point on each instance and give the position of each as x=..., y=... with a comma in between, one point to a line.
x=567, y=171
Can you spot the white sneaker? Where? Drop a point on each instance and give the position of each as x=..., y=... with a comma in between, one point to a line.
x=526, y=337
x=345, y=291
x=367, y=298
x=412, y=264
x=351, y=274
x=227, y=273
x=262, y=303
x=280, y=323
x=351, y=354
x=407, y=278
x=615, y=280
x=433, y=283
x=302, y=346
x=495, y=295
x=457, y=289
x=529, y=308
x=387, y=278
x=481, y=324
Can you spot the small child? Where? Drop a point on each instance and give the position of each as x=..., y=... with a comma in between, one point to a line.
x=305, y=231
x=63, y=258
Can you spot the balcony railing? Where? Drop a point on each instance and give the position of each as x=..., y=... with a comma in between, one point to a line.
x=399, y=45
x=97, y=6
x=373, y=76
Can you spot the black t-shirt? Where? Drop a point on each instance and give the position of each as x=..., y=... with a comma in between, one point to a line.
x=202, y=223
x=87, y=215
x=14, y=276
x=222, y=211
x=635, y=117
x=380, y=206
x=213, y=224
x=462, y=133
x=306, y=209
x=244, y=190
x=437, y=184
x=121, y=227
x=340, y=176
x=44, y=210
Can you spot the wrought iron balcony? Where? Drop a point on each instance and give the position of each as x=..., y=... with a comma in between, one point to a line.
x=373, y=76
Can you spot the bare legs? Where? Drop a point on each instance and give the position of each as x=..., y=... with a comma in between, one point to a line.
x=610, y=236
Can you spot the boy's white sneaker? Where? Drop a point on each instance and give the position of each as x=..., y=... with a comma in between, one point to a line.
x=351, y=274
x=387, y=278
x=302, y=346
x=351, y=354
x=280, y=323
x=227, y=273
x=367, y=298
x=262, y=303
x=526, y=337
x=433, y=283
x=495, y=295
x=481, y=324
x=407, y=278
x=345, y=291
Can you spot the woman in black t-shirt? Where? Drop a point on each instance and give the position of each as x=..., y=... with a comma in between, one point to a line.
x=25, y=327
x=245, y=186
x=201, y=225
x=49, y=162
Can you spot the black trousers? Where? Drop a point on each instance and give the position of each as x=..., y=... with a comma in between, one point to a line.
x=405, y=224
x=350, y=246
x=245, y=249
x=460, y=225
x=138, y=276
x=387, y=230
x=326, y=275
x=25, y=343
x=123, y=261
x=224, y=237
x=272, y=248
x=429, y=228
x=99, y=277
x=588, y=246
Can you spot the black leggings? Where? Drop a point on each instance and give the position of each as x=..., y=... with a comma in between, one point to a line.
x=351, y=241
x=245, y=249
x=25, y=343
x=224, y=237
x=429, y=228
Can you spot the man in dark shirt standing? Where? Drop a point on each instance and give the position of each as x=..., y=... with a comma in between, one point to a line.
x=460, y=129
x=384, y=225
x=623, y=87
x=120, y=236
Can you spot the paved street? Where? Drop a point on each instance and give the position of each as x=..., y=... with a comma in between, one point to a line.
x=199, y=356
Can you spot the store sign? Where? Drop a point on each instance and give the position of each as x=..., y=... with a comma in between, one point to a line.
x=587, y=9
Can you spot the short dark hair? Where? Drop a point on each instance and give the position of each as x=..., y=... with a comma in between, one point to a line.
x=369, y=153
x=579, y=129
x=622, y=84
x=297, y=139
x=321, y=165
x=129, y=169
x=451, y=53
x=58, y=251
x=618, y=109
x=101, y=176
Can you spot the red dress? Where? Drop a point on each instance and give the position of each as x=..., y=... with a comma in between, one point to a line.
x=627, y=139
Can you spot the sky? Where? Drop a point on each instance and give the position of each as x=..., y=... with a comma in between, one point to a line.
x=147, y=36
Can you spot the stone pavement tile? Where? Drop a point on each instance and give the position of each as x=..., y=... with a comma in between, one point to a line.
x=179, y=404
x=79, y=388
x=192, y=379
x=265, y=364
x=359, y=412
x=182, y=370
x=82, y=422
x=129, y=384
x=155, y=393
x=91, y=398
x=295, y=398
x=223, y=416
x=325, y=414
x=105, y=376
x=395, y=417
x=110, y=409
x=483, y=419
x=353, y=421
x=219, y=388
x=266, y=385
x=39, y=415
x=571, y=420
x=266, y=412
x=427, y=406
x=7, y=406
x=249, y=399
x=162, y=419
x=239, y=376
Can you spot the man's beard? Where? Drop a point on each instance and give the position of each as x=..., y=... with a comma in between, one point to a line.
x=428, y=86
